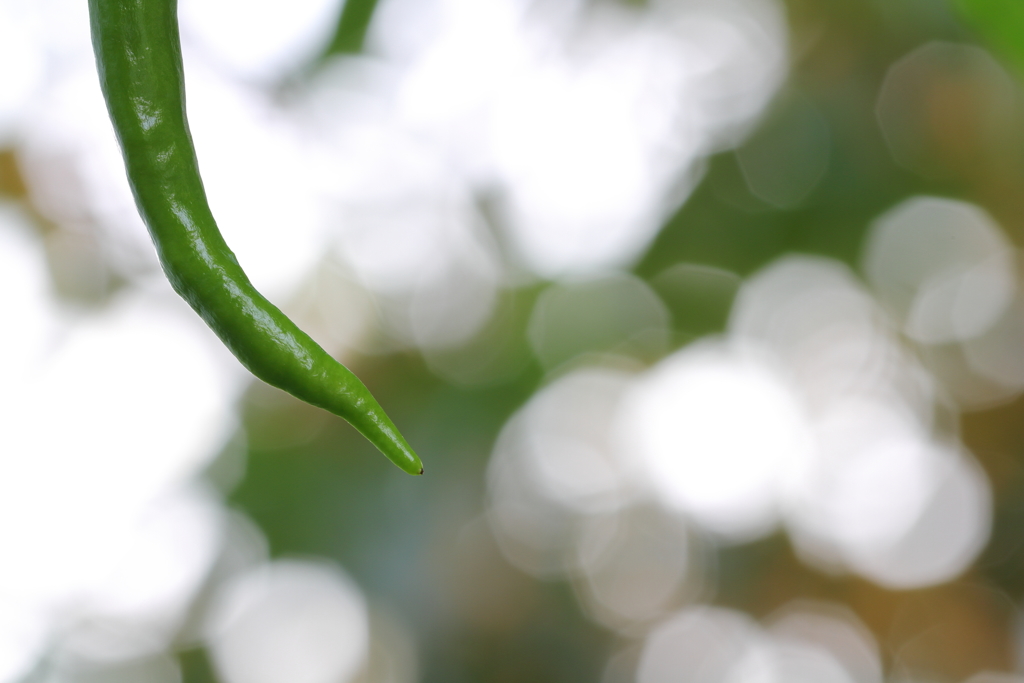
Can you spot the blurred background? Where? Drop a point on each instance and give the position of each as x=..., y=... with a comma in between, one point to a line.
x=705, y=316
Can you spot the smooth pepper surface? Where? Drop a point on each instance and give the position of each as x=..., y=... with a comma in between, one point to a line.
x=138, y=56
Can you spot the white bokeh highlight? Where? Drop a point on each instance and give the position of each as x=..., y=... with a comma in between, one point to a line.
x=258, y=41
x=880, y=477
x=811, y=413
x=681, y=419
x=553, y=465
x=716, y=645
x=107, y=537
x=943, y=266
x=290, y=620
x=834, y=629
x=22, y=62
x=637, y=564
x=587, y=123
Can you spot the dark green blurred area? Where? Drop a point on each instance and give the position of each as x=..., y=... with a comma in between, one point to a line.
x=352, y=26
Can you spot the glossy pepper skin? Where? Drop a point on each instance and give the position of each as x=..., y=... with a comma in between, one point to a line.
x=138, y=56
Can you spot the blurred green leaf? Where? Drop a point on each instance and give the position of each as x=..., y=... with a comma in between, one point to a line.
x=352, y=26
x=1001, y=23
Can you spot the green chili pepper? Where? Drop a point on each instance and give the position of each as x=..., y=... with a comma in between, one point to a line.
x=138, y=55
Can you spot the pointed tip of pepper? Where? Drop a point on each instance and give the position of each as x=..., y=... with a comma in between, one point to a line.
x=399, y=452
x=376, y=426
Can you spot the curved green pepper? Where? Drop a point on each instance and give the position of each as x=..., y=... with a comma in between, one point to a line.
x=138, y=55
